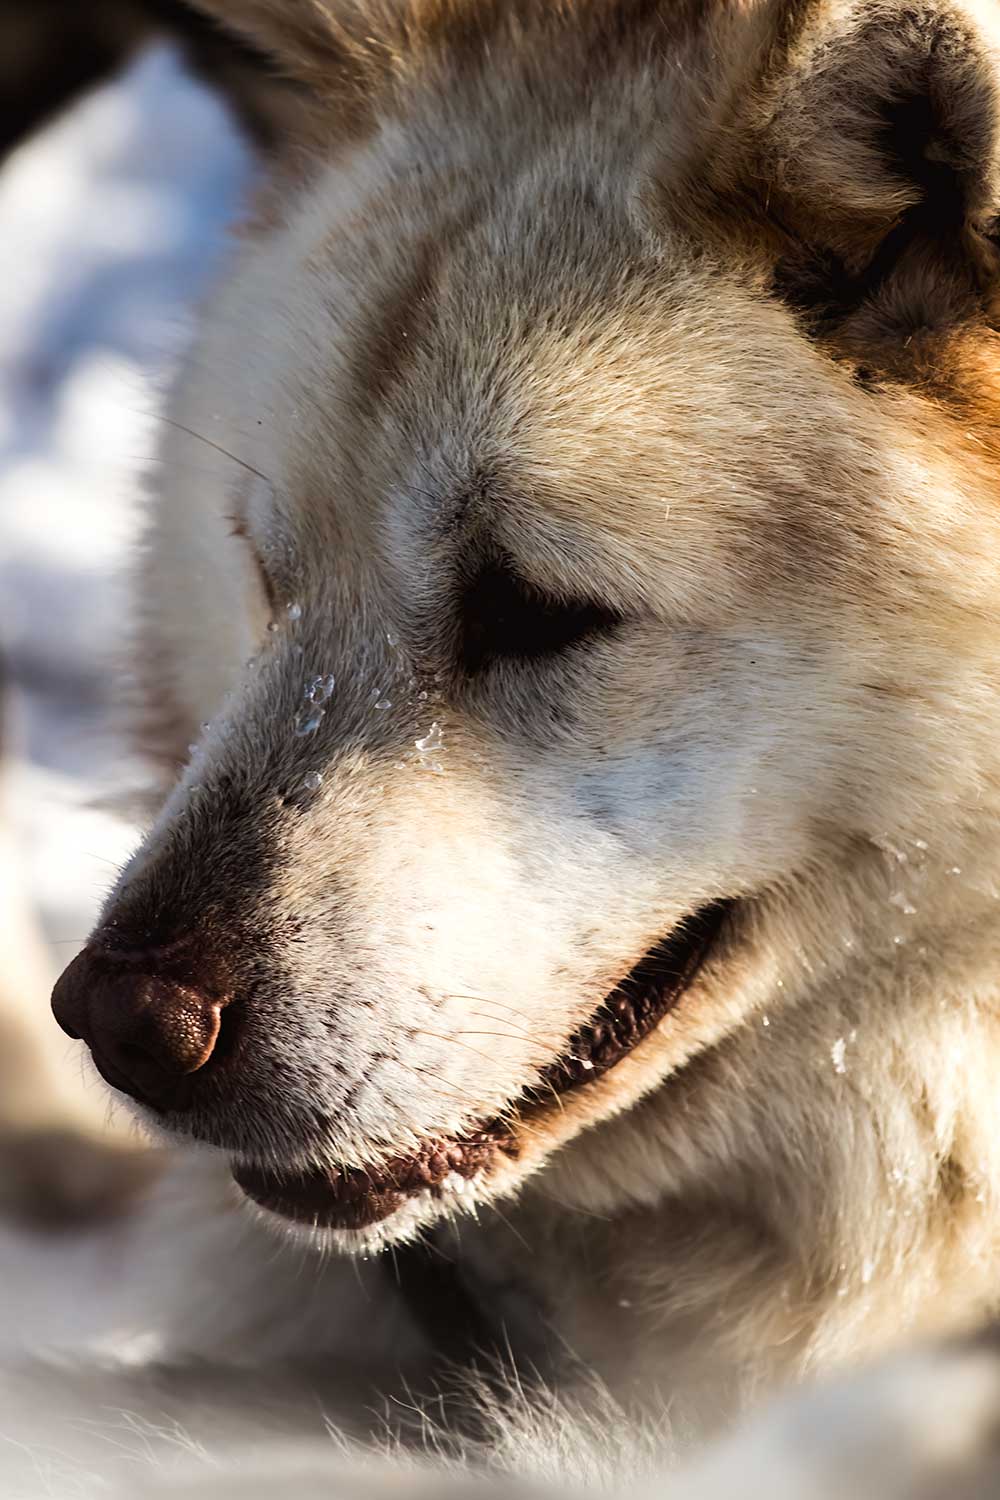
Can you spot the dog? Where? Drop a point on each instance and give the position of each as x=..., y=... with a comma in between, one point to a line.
x=575, y=689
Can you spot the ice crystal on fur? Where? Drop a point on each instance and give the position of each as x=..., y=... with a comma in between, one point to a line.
x=433, y=740
x=320, y=689
x=308, y=719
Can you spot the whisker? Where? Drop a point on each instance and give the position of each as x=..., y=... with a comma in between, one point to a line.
x=535, y=1036
x=455, y=1095
x=456, y=1038
x=530, y=1032
x=200, y=436
x=514, y=1010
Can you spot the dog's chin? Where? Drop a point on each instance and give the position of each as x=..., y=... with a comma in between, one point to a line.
x=360, y=1209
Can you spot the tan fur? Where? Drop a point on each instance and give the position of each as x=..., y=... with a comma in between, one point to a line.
x=544, y=282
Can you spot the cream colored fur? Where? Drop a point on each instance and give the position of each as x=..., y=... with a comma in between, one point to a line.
x=523, y=292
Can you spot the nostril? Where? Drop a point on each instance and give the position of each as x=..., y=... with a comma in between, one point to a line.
x=181, y=1027
x=147, y=1031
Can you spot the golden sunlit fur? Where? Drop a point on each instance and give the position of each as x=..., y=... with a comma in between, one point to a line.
x=684, y=315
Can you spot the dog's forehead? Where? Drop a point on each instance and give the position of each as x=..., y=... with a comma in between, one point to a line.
x=415, y=357
x=533, y=367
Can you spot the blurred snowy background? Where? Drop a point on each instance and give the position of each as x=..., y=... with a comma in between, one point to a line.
x=111, y=223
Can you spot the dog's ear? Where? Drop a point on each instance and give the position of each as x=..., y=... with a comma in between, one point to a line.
x=301, y=37
x=866, y=133
x=330, y=55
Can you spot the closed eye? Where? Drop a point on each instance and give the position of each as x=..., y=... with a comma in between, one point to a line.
x=503, y=618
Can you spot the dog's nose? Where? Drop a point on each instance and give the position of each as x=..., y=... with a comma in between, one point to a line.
x=147, y=1032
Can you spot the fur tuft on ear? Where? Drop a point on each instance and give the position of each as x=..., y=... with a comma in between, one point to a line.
x=342, y=49
x=342, y=53
x=301, y=36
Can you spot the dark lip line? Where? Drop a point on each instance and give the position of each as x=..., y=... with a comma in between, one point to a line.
x=358, y=1197
x=637, y=1005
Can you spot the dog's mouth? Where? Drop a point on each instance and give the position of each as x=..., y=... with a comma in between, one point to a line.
x=354, y=1198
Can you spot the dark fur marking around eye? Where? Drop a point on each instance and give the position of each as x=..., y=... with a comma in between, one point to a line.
x=503, y=618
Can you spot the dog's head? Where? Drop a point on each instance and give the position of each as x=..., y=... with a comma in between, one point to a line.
x=559, y=607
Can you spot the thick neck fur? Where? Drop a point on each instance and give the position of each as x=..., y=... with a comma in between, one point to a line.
x=820, y=1186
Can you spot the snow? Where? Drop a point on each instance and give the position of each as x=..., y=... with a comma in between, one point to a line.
x=111, y=222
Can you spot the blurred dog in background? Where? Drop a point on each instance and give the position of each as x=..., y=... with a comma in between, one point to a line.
x=60, y=1164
